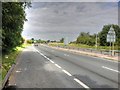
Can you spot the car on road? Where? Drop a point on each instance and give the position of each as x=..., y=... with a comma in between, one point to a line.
x=35, y=44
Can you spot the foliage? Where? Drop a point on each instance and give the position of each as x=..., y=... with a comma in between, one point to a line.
x=13, y=17
x=9, y=59
x=29, y=41
x=32, y=39
x=103, y=35
x=86, y=38
x=61, y=40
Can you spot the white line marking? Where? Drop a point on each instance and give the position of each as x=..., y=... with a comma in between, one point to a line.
x=66, y=55
x=51, y=61
x=47, y=58
x=57, y=65
x=81, y=83
x=110, y=69
x=18, y=71
x=66, y=72
x=41, y=54
x=44, y=56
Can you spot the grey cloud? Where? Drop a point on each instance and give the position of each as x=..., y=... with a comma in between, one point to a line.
x=75, y=0
x=69, y=18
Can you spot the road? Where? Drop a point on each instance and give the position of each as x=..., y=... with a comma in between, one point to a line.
x=45, y=67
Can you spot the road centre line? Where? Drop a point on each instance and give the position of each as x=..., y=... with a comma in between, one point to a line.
x=66, y=72
x=66, y=55
x=110, y=69
x=81, y=83
x=96, y=57
x=42, y=54
x=52, y=61
x=57, y=65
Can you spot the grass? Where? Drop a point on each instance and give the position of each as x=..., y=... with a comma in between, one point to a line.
x=9, y=59
x=82, y=46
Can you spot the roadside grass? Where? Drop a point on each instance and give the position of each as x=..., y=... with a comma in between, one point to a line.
x=10, y=59
x=56, y=44
x=83, y=46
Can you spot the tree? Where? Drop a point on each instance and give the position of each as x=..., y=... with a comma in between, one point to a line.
x=29, y=41
x=61, y=40
x=48, y=41
x=86, y=38
x=103, y=34
x=13, y=17
x=32, y=39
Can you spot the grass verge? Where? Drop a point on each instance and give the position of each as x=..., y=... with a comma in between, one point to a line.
x=83, y=46
x=9, y=59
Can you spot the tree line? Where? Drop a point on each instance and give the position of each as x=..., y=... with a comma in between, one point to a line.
x=13, y=18
x=86, y=38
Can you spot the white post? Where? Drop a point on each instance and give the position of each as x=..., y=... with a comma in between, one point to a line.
x=111, y=36
x=96, y=41
x=113, y=50
x=110, y=48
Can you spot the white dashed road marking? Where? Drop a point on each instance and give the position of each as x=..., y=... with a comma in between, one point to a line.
x=18, y=71
x=110, y=69
x=57, y=65
x=66, y=55
x=51, y=61
x=81, y=83
x=66, y=72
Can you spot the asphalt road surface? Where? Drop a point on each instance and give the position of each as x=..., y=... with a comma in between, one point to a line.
x=45, y=67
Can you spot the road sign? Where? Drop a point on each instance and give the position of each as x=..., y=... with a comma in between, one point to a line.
x=111, y=37
x=66, y=42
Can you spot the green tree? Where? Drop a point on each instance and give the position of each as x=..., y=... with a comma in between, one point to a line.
x=29, y=41
x=86, y=38
x=13, y=17
x=103, y=34
x=61, y=40
x=32, y=39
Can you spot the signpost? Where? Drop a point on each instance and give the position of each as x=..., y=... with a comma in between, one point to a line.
x=111, y=37
x=66, y=42
x=96, y=41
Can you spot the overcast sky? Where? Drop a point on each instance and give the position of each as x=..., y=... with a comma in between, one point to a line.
x=54, y=20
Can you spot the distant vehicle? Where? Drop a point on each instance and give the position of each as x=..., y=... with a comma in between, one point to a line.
x=35, y=44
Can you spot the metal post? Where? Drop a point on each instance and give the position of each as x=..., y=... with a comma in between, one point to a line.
x=113, y=50
x=111, y=38
x=96, y=41
x=110, y=48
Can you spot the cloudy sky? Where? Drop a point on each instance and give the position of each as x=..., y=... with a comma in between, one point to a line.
x=54, y=20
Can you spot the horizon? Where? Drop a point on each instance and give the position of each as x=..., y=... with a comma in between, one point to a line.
x=56, y=20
